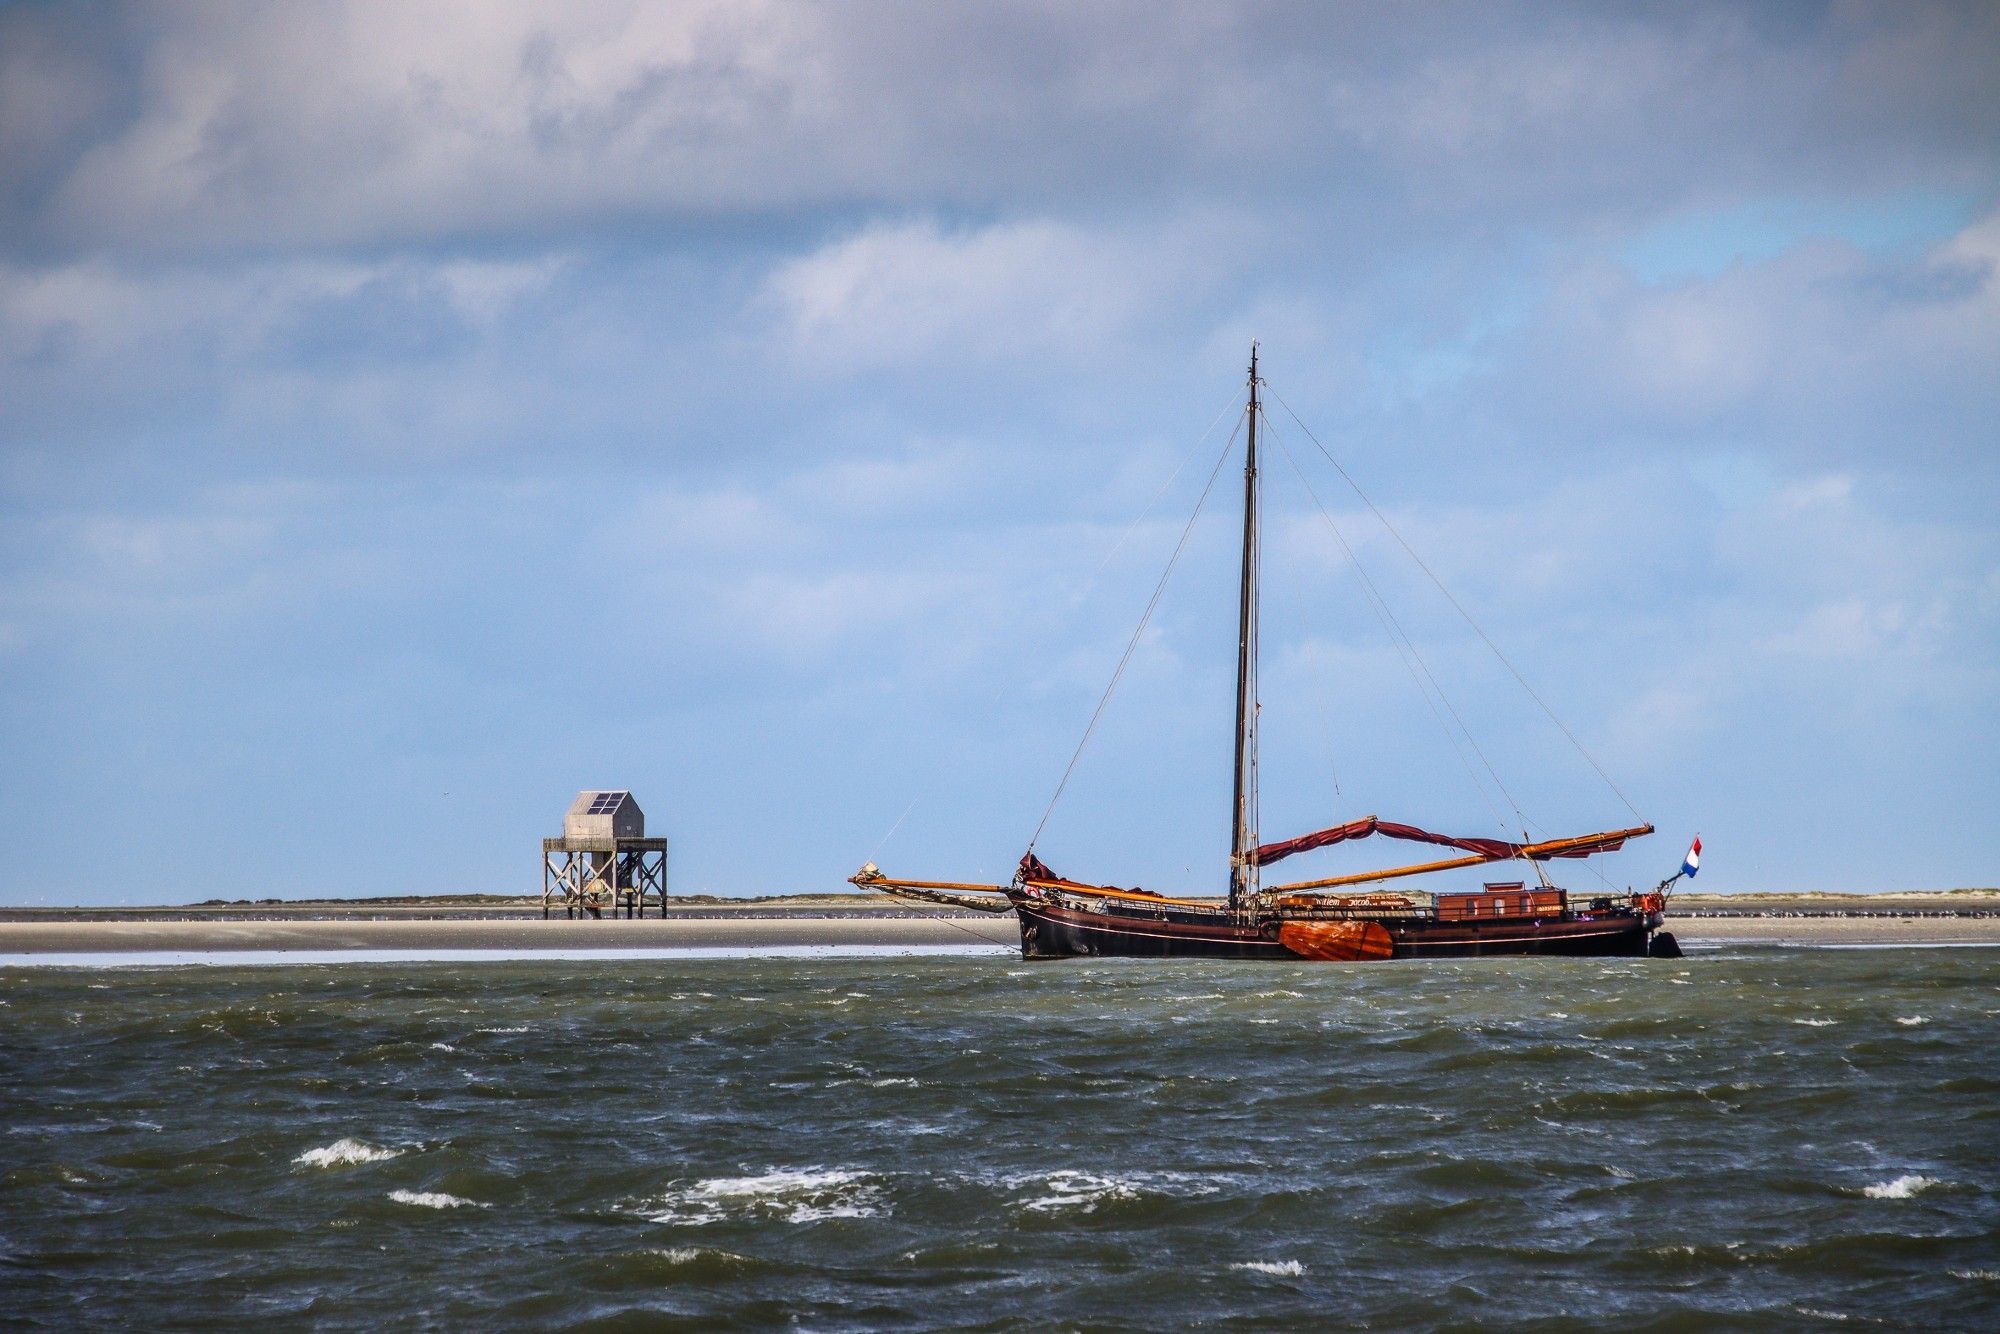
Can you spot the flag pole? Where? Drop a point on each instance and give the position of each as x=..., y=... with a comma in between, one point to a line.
x=1666, y=887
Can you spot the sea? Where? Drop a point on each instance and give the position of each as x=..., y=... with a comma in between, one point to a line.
x=1746, y=1138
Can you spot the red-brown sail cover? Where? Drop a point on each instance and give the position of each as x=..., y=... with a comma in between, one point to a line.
x=1493, y=849
x=1032, y=868
x=1036, y=872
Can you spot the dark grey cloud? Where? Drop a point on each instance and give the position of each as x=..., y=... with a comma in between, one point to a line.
x=188, y=130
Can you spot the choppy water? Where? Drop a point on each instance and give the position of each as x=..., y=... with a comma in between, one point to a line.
x=1755, y=1138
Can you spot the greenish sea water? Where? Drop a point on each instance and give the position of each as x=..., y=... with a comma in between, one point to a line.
x=1751, y=1138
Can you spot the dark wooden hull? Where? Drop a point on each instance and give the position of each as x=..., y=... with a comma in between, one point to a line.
x=1050, y=931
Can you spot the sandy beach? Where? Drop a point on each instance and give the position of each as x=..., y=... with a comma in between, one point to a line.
x=524, y=936
x=139, y=934
x=1826, y=929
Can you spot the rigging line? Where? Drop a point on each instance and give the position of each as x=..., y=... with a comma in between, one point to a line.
x=1407, y=650
x=1588, y=865
x=1443, y=698
x=1400, y=641
x=1133, y=527
x=1323, y=724
x=976, y=935
x=1091, y=582
x=894, y=827
x=957, y=926
x=1133, y=646
x=1320, y=715
x=1505, y=661
x=1407, y=655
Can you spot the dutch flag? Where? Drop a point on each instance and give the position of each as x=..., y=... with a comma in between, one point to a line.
x=1693, y=862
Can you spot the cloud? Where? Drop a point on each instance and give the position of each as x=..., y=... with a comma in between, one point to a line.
x=93, y=310
x=913, y=291
x=1821, y=610
x=203, y=129
x=1704, y=618
x=228, y=556
x=330, y=124
x=1832, y=355
x=392, y=394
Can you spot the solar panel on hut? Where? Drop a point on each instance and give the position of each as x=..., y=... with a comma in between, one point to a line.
x=603, y=815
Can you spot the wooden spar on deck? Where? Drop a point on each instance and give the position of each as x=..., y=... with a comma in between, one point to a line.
x=1532, y=851
x=1135, y=895
x=880, y=881
x=947, y=893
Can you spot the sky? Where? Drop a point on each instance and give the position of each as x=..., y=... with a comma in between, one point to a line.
x=413, y=415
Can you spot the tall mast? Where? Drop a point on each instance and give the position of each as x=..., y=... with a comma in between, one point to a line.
x=1243, y=833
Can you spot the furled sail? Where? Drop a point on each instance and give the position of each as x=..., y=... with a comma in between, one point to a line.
x=1488, y=849
x=1583, y=845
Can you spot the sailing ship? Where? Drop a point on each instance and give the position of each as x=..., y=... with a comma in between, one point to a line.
x=1334, y=918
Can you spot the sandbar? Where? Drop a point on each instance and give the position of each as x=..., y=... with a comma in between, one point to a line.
x=102, y=936
x=111, y=935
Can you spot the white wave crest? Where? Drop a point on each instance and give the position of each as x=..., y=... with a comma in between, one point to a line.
x=1816, y=1023
x=1084, y=1191
x=1280, y=1268
x=805, y=1196
x=344, y=1153
x=433, y=1199
x=1902, y=1188
x=1079, y=1190
x=677, y=1255
x=687, y=1255
x=887, y=1082
x=1912, y=1021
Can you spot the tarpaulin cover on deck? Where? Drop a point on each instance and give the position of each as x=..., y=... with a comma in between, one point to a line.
x=1493, y=849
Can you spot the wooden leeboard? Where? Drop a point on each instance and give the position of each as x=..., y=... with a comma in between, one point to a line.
x=1337, y=942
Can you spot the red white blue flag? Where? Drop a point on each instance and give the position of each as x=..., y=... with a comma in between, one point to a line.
x=1693, y=862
